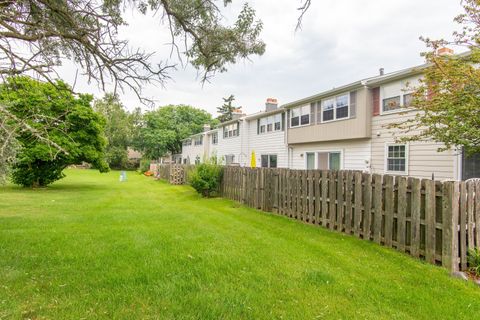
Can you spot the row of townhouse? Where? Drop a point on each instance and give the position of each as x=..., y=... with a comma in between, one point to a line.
x=343, y=128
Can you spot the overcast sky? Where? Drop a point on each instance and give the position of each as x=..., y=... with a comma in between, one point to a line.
x=341, y=41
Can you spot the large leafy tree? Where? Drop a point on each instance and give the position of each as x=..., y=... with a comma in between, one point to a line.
x=448, y=98
x=63, y=130
x=36, y=35
x=163, y=130
x=118, y=129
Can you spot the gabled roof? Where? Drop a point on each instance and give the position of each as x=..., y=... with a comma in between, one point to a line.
x=367, y=82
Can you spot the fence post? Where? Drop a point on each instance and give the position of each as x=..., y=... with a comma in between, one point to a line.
x=450, y=206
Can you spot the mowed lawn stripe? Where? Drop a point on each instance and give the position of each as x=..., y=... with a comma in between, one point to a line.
x=90, y=246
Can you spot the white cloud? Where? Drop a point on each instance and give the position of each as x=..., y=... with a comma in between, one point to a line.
x=341, y=41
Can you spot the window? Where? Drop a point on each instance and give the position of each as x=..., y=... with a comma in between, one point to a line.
x=197, y=160
x=264, y=160
x=329, y=160
x=229, y=159
x=396, y=158
x=335, y=108
x=328, y=112
x=187, y=142
x=278, y=122
x=269, y=160
x=215, y=138
x=397, y=95
x=300, y=116
x=334, y=160
x=341, y=106
x=231, y=130
x=390, y=104
x=310, y=160
x=270, y=124
x=263, y=125
x=407, y=100
x=198, y=141
x=470, y=165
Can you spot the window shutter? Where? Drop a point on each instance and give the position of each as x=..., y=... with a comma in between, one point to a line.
x=238, y=128
x=376, y=101
x=353, y=104
x=312, y=113
x=319, y=112
x=258, y=126
x=283, y=121
x=288, y=118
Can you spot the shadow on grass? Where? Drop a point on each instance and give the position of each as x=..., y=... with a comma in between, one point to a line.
x=63, y=187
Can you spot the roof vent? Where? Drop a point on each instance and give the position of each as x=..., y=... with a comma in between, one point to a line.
x=381, y=71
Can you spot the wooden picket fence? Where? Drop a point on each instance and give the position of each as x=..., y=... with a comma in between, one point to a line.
x=433, y=220
x=174, y=173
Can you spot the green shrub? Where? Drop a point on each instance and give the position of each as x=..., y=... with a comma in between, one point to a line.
x=474, y=260
x=206, y=179
x=144, y=165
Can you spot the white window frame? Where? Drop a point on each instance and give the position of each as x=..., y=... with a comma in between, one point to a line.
x=270, y=120
x=316, y=152
x=198, y=139
x=334, y=98
x=407, y=159
x=300, y=116
x=403, y=92
x=277, y=116
x=231, y=129
x=215, y=138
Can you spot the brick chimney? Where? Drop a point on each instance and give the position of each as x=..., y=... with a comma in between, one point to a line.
x=237, y=113
x=271, y=104
x=444, y=51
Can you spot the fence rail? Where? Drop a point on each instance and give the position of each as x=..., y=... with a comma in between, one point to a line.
x=433, y=220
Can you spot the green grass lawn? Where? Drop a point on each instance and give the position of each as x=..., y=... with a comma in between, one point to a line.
x=90, y=247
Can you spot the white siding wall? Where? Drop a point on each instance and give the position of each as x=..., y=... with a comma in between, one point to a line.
x=355, y=153
x=423, y=157
x=232, y=145
x=192, y=151
x=211, y=150
x=266, y=143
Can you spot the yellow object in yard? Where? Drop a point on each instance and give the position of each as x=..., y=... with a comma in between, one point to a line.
x=253, y=160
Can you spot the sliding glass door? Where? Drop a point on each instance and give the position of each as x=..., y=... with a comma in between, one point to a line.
x=324, y=160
